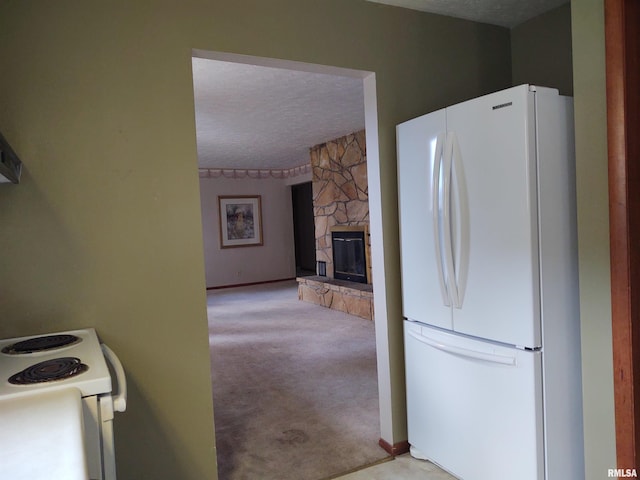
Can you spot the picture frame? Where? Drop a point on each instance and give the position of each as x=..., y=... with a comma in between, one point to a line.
x=240, y=220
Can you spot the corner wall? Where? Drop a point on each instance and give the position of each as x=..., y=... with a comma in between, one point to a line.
x=564, y=48
x=541, y=51
x=587, y=18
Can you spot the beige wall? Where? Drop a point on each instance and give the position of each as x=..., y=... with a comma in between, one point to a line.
x=587, y=18
x=105, y=228
x=274, y=259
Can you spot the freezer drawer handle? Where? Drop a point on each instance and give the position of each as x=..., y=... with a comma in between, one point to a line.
x=465, y=352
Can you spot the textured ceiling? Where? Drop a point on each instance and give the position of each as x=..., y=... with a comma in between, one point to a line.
x=250, y=116
x=505, y=13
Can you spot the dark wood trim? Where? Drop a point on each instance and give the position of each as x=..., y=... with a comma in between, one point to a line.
x=622, y=34
x=396, y=448
x=251, y=283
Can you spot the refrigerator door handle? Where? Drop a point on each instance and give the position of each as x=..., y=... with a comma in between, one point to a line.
x=446, y=219
x=461, y=259
x=465, y=352
x=436, y=190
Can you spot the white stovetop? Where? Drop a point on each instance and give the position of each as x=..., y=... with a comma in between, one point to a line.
x=96, y=380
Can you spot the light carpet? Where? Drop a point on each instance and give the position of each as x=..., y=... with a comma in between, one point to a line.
x=294, y=386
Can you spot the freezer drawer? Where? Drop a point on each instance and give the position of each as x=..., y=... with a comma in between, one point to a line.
x=474, y=408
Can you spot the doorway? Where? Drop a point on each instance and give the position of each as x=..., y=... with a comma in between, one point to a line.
x=303, y=228
x=389, y=392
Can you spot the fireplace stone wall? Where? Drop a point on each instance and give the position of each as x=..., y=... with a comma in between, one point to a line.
x=340, y=202
x=340, y=191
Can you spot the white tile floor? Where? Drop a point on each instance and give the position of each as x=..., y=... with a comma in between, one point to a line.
x=403, y=467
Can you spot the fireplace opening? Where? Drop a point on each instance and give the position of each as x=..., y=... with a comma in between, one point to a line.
x=349, y=255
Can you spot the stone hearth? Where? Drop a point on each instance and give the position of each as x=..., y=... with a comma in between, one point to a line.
x=349, y=297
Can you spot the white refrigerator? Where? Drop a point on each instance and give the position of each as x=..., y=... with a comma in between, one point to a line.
x=490, y=288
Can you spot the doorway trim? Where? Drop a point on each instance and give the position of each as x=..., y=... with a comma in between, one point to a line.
x=622, y=42
x=383, y=352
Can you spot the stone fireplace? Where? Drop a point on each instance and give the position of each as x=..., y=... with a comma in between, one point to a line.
x=341, y=210
x=350, y=248
x=340, y=190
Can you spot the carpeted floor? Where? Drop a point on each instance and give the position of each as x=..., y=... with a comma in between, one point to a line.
x=294, y=386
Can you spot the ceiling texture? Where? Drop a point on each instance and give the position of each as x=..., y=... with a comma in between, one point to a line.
x=257, y=117
x=504, y=13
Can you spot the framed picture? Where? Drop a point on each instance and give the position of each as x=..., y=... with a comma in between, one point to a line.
x=240, y=221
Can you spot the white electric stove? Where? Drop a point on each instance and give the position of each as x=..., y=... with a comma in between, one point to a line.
x=44, y=378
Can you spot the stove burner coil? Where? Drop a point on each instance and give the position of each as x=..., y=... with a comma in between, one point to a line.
x=49, y=371
x=40, y=344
